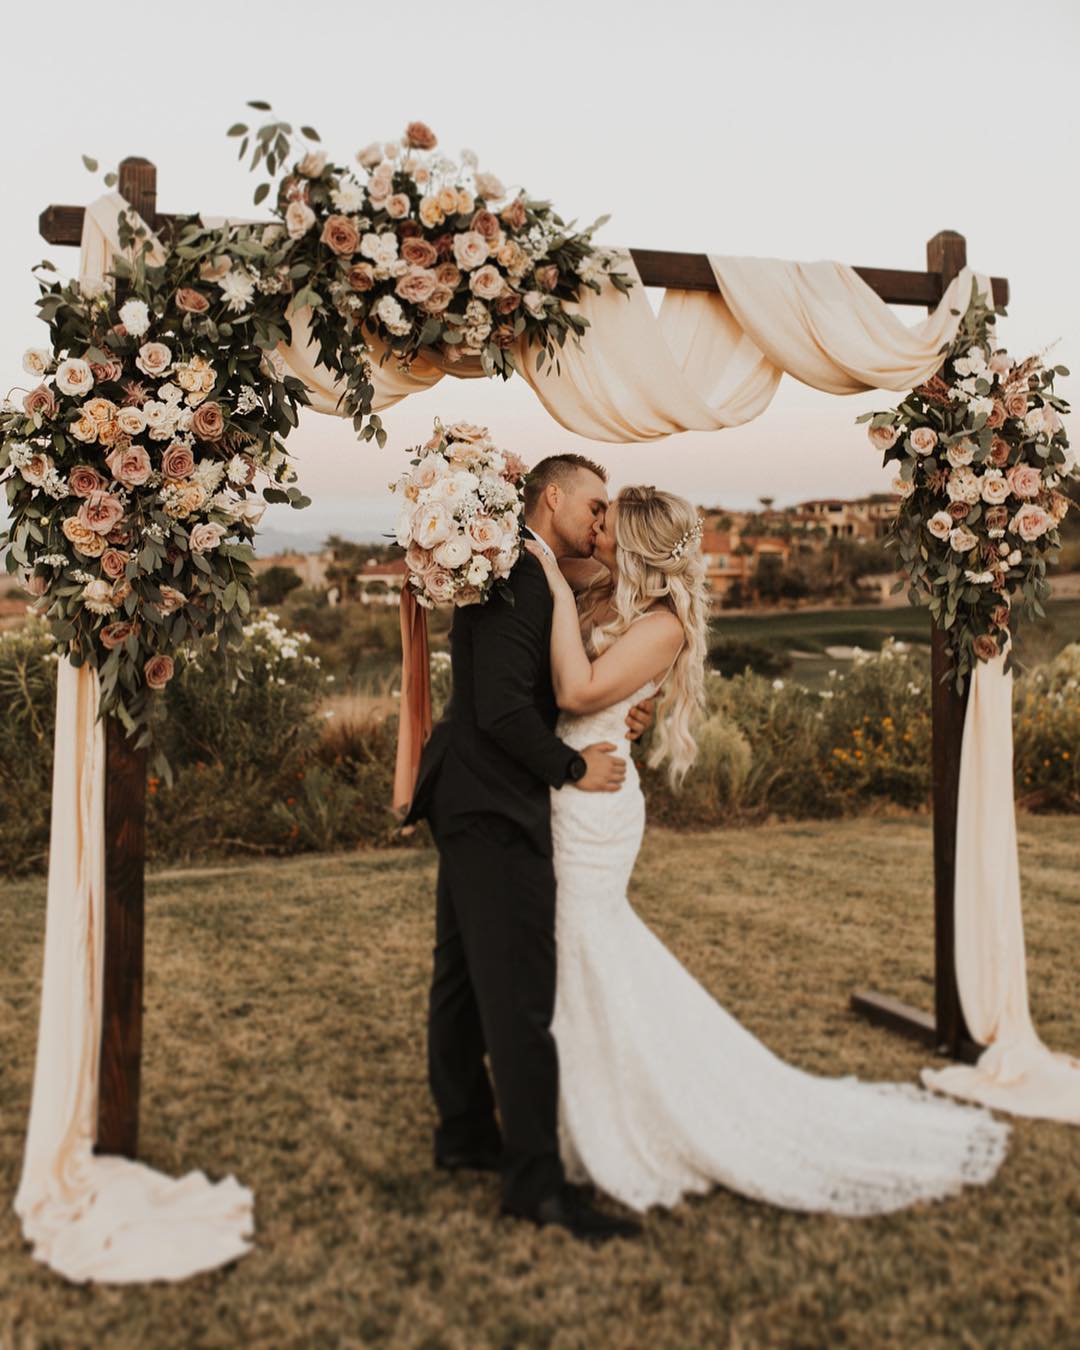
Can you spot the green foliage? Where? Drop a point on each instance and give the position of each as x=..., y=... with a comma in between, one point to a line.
x=273, y=585
x=732, y=656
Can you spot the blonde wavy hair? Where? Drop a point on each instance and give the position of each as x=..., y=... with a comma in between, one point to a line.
x=658, y=558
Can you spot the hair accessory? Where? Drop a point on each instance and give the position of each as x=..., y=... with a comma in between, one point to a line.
x=691, y=536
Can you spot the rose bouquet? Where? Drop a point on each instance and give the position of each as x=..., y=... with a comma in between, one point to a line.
x=983, y=463
x=423, y=254
x=130, y=465
x=460, y=525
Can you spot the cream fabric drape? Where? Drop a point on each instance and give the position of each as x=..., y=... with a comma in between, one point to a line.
x=89, y=1218
x=1017, y=1072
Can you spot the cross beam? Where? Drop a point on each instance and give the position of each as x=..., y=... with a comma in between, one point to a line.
x=125, y=778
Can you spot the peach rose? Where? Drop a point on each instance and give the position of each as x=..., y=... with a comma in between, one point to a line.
x=467, y=431
x=208, y=423
x=35, y=468
x=513, y=216
x=361, y=276
x=113, y=562
x=999, y=452
x=440, y=585
x=1016, y=405
x=486, y=282
x=313, y=163
x=419, y=253
x=109, y=434
x=84, y=428
x=206, y=536
x=177, y=462
x=419, y=136
x=431, y=213
x=191, y=301
x=85, y=540
x=466, y=203
x=1030, y=523
x=341, y=236
x=446, y=274
x=985, y=647
x=100, y=409
x=158, y=671
x=881, y=438
x=83, y=480
x=40, y=400
x=996, y=416
x=1059, y=507
x=171, y=600
x=100, y=512
x=130, y=466
x=416, y=285
x=397, y=206
x=154, y=359
x=1025, y=480
x=490, y=187
x=438, y=301
x=214, y=269
x=116, y=634
x=547, y=278
x=448, y=200
x=508, y=302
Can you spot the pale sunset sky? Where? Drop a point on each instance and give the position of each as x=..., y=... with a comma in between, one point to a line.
x=846, y=129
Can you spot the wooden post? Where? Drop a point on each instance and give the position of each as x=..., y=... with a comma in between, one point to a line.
x=946, y=254
x=125, y=856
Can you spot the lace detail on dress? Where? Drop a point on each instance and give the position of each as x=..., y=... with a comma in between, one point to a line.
x=663, y=1093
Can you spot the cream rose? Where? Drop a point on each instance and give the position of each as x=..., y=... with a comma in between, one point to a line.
x=135, y=316
x=881, y=438
x=74, y=377
x=961, y=540
x=994, y=487
x=453, y=552
x=470, y=250
x=130, y=421
x=397, y=206
x=206, y=536
x=171, y=600
x=923, y=440
x=299, y=218
x=439, y=585
x=1031, y=522
x=486, y=282
x=485, y=532
x=961, y=454
x=36, y=360
x=84, y=429
x=154, y=359
x=903, y=487
x=130, y=466
x=963, y=486
x=490, y=187
x=940, y=525
x=313, y=163
x=416, y=286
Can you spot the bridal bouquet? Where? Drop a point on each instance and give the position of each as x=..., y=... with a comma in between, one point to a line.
x=130, y=463
x=460, y=524
x=984, y=464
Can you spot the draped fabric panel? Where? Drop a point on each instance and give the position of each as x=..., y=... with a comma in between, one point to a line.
x=99, y=1218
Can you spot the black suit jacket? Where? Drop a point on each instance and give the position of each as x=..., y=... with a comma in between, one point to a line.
x=495, y=750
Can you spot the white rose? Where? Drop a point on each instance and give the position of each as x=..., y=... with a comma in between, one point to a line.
x=370, y=155
x=940, y=525
x=74, y=377
x=299, y=218
x=135, y=316
x=962, y=540
x=903, y=487
x=981, y=406
x=453, y=552
x=960, y=454
x=36, y=360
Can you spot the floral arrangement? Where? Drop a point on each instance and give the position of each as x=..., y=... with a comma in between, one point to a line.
x=460, y=525
x=423, y=254
x=983, y=463
x=131, y=463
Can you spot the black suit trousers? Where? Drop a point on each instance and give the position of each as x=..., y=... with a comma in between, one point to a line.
x=493, y=991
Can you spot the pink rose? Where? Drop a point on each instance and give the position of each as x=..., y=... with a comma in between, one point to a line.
x=417, y=559
x=191, y=301
x=1031, y=522
x=397, y=206
x=1025, y=480
x=985, y=647
x=1016, y=405
x=83, y=480
x=106, y=372
x=547, y=278
x=113, y=563
x=130, y=465
x=100, y=512
x=484, y=532
x=470, y=250
x=999, y=452
x=36, y=584
x=419, y=253
x=177, y=462
x=361, y=276
x=416, y=285
x=446, y=274
x=208, y=423
x=513, y=216
x=923, y=439
x=486, y=282
x=341, y=236
x=35, y=468
x=486, y=225
x=419, y=136
x=40, y=400
x=206, y=536
x=116, y=634
x=438, y=300
x=996, y=416
x=439, y=585
x=158, y=671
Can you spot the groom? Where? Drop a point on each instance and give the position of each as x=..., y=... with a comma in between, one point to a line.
x=484, y=786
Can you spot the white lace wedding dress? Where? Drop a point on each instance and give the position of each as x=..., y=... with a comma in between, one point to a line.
x=663, y=1093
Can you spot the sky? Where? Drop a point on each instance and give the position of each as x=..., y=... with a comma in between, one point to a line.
x=845, y=129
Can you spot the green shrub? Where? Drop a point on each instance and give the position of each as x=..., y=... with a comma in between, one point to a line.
x=28, y=698
x=1046, y=735
x=733, y=656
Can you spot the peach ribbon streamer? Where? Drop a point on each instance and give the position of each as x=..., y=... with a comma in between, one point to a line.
x=414, y=718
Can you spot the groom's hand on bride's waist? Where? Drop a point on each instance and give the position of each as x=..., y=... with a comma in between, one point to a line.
x=604, y=770
x=639, y=719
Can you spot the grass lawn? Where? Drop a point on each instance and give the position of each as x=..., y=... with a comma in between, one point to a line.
x=284, y=1043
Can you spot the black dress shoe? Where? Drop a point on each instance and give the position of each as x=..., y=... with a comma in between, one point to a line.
x=475, y=1160
x=568, y=1208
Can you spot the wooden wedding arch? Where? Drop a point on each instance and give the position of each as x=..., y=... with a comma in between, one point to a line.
x=125, y=767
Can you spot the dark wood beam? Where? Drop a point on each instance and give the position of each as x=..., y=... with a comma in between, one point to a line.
x=657, y=267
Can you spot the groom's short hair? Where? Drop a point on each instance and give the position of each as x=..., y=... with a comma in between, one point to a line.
x=556, y=469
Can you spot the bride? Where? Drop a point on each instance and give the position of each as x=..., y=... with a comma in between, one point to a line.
x=662, y=1092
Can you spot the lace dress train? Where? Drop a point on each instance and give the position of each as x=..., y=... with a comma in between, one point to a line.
x=663, y=1093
